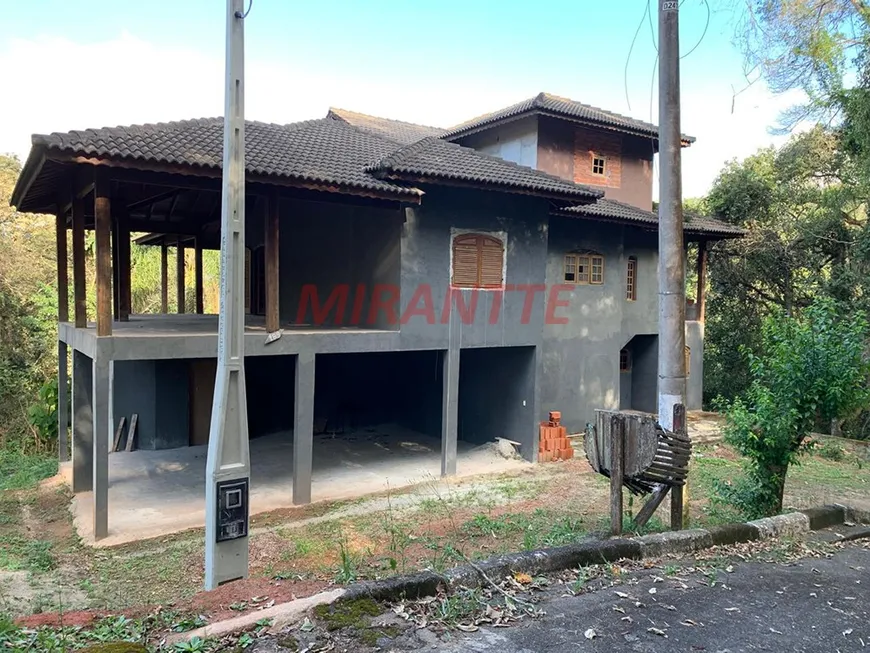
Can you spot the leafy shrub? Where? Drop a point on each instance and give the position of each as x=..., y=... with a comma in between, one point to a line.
x=810, y=367
x=831, y=451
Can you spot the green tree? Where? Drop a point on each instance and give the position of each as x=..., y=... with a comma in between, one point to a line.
x=815, y=46
x=811, y=367
x=807, y=238
x=28, y=309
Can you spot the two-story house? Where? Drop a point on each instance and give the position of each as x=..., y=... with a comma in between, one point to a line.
x=459, y=283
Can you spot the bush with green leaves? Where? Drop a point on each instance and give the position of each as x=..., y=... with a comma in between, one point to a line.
x=812, y=366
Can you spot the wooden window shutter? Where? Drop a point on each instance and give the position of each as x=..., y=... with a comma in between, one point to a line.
x=478, y=261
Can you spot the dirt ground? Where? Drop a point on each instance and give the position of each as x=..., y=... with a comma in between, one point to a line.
x=45, y=570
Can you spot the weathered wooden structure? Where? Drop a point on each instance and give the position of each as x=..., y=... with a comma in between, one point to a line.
x=634, y=451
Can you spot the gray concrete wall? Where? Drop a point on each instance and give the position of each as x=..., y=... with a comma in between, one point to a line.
x=333, y=247
x=695, y=382
x=515, y=141
x=499, y=318
x=158, y=392
x=556, y=147
x=496, y=394
x=581, y=356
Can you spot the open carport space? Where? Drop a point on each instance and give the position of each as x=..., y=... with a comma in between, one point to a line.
x=497, y=396
x=377, y=426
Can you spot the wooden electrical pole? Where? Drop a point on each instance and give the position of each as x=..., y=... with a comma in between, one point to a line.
x=672, y=283
x=228, y=465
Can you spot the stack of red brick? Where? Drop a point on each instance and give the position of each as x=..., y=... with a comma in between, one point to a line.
x=554, y=443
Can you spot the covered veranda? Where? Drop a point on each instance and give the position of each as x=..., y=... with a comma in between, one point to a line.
x=117, y=192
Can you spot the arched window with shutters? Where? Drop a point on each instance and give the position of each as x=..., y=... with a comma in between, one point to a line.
x=478, y=261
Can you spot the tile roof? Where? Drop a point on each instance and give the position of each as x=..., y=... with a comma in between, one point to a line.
x=606, y=209
x=320, y=152
x=326, y=154
x=548, y=104
x=396, y=130
x=433, y=159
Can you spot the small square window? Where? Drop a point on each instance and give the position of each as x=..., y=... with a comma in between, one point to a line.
x=599, y=165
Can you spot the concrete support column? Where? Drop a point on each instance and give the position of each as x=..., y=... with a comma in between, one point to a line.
x=101, y=435
x=449, y=411
x=83, y=423
x=62, y=403
x=303, y=428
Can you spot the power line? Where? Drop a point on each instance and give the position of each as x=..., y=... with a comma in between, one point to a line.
x=703, y=34
x=630, y=49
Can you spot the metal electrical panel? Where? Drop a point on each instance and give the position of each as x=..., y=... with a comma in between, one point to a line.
x=232, y=510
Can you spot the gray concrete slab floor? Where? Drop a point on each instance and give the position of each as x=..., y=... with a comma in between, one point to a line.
x=154, y=493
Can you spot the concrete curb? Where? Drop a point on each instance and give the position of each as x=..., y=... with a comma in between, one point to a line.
x=609, y=550
x=281, y=615
x=584, y=553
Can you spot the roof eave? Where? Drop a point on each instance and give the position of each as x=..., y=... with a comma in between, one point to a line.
x=588, y=197
x=29, y=173
x=685, y=141
x=409, y=195
x=697, y=234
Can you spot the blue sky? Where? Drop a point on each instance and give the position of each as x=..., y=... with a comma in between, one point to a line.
x=72, y=64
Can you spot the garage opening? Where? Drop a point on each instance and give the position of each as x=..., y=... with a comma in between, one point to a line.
x=355, y=393
x=496, y=396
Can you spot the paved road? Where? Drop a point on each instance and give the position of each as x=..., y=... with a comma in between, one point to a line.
x=814, y=605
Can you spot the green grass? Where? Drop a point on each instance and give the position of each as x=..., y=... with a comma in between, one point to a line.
x=20, y=471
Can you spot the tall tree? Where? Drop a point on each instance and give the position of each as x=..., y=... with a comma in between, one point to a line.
x=812, y=45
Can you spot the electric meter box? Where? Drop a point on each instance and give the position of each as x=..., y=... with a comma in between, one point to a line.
x=232, y=512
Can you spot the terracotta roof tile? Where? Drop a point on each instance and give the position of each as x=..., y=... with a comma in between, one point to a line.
x=396, y=130
x=546, y=103
x=323, y=151
x=612, y=210
x=437, y=160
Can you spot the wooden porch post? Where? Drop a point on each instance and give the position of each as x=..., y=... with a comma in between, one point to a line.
x=164, y=277
x=62, y=267
x=272, y=270
x=116, y=272
x=79, y=281
x=702, y=279
x=179, y=275
x=125, y=272
x=197, y=258
x=62, y=316
x=103, y=228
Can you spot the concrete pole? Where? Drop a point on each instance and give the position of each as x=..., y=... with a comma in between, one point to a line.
x=228, y=463
x=672, y=284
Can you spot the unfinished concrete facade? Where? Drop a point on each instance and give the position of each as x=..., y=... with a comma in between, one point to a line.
x=394, y=277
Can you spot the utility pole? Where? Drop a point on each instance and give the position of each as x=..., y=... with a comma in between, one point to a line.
x=228, y=466
x=672, y=282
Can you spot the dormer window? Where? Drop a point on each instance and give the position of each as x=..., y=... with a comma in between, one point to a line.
x=599, y=165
